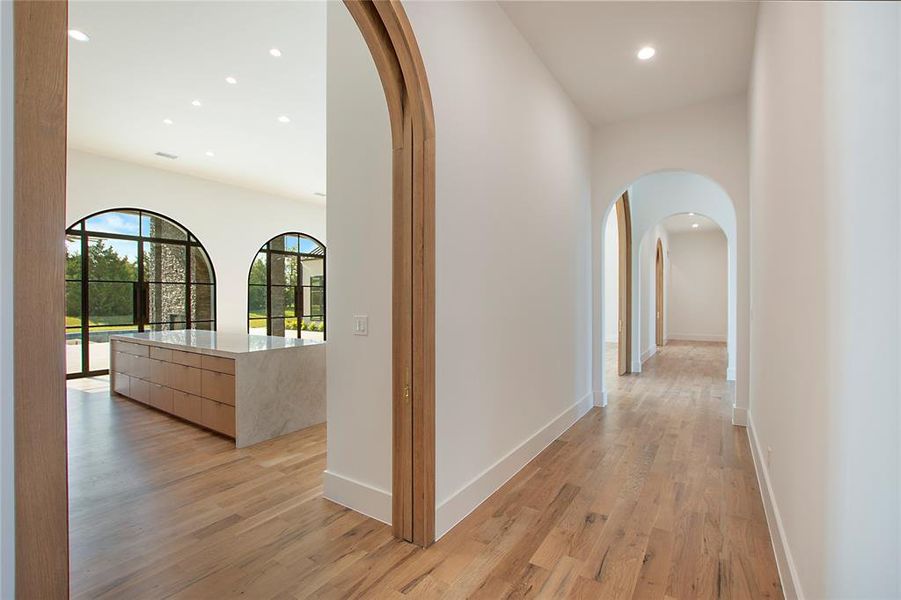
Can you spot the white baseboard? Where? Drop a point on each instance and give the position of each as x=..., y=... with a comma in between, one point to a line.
x=788, y=574
x=648, y=353
x=739, y=416
x=696, y=337
x=636, y=366
x=730, y=374
x=465, y=500
x=356, y=495
x=600, y=398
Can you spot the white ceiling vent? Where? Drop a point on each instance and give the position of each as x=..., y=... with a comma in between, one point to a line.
x=167, y=155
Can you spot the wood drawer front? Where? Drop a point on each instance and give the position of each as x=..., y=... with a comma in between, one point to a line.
x=186, y=379
x=163, y=354
x=139, y=390
x=120, y=383
x=140, y=367
x=219, y=387
x=121, y=362
x=159, y=372
x=161, y=397
x=133, y=349
x=186, y=406
x=218, y=364
x=218, y=417
x=189, y=359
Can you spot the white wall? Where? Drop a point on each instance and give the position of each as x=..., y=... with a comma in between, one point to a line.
x=232, y=223
x=7, y=478
x=709, y=139
x=611, y=277
x=656, y=197
x=513, y=245
x=697, y=291
x=825, y=293
x=359, y=270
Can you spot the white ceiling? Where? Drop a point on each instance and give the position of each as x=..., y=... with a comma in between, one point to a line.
x=682, y=223
x=703, y=51
x=147, y=61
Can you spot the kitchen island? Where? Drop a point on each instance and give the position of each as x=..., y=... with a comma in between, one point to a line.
x=248, y=387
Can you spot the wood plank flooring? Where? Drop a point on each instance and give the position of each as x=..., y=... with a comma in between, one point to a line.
x=653, y=497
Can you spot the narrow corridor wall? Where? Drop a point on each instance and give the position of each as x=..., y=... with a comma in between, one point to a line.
x=824, y=107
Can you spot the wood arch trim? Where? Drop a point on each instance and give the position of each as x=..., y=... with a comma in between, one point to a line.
x=389, y=35
x=624, y=336
x=659, y=302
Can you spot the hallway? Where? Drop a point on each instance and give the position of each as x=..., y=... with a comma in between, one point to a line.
x=653, y=497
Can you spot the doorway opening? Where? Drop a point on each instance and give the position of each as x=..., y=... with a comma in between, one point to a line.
x=42, y=551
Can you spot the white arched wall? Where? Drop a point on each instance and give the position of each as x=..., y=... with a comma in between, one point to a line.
x=654, y=198
x=709, y=139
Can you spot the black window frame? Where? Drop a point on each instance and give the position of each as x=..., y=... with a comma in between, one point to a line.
x=140, y=286
x=299, y=287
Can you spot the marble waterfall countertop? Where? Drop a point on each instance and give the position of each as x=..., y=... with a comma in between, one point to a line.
x=228, y=345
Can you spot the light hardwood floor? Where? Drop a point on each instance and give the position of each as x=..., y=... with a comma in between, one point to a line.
x=653, y=497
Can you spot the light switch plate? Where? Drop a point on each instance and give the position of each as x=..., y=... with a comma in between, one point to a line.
x=361, y=324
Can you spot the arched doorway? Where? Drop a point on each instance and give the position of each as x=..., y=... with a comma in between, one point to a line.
x=624, y=335
x=39, y=204
x=131, y=270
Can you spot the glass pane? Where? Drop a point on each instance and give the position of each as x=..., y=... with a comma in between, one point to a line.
x=257, y=326
x=256, y=304
x=313, y=328
x=99, y=346
x=112, y=260
x=314, y=301
x=310, y=246
x=284, y=327
x=283, y=269
x=73, y=352
x=313, y=271
x=121, y=222
x=110, y=303
x=174, y=326
x=258, y=269
x=203, y=325
x=201, y=302
x=159, y=227
x=287, y=243
x=201, y=270
x=76, y=227
x=283, y=301
x=73, y=303
x=164, y=262
x=73, y=257
x=166, y=303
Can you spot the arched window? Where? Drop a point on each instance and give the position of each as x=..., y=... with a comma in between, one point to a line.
x=131, y=270
x=286, y=288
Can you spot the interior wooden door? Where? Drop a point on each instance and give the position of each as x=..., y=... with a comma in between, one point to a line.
x=660, y=291
x=624, y=228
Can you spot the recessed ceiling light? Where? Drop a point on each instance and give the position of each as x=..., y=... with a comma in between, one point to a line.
x=210, y=153
x=646, y=53
x=275, y=52
x=197, y=103
x=231, y=80
x=694, y=225
x=79, y=36
x=167, y=121
x=691, y=214
x=284, y=119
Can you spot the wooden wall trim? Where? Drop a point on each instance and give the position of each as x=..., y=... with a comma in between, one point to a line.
x=42, y=567
x=390, y=38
